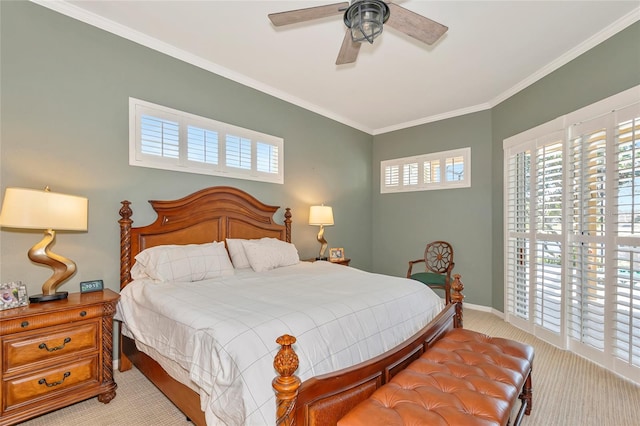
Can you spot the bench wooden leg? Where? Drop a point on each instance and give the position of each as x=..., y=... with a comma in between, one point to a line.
x=527, y=398
x=527, y=394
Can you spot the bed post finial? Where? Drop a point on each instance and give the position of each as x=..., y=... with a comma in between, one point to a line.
x=287, y=224
x=286, y=384
x=457, y=298
x=125, y=243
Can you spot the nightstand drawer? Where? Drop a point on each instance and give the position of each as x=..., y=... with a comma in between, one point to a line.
x=50, y=382
x=35, y=322
x=44, y=345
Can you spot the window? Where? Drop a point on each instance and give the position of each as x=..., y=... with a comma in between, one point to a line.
x=572, y=232
x=441, y=170
x=164, y=138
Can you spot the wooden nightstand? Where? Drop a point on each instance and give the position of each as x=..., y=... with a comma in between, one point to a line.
x=55, y=354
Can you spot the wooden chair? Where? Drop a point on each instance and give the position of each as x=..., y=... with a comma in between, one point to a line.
x=438, y=260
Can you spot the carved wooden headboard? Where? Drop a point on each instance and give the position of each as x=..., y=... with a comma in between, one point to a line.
x=211, y=214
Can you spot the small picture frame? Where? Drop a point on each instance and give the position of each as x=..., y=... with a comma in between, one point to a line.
x=13, y=295
x=336, y=254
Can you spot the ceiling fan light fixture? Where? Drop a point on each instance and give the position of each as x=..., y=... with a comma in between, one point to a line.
x=365, y=19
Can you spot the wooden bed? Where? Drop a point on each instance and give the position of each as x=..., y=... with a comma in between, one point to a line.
x=214, y=214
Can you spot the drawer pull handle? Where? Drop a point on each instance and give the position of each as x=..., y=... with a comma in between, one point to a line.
x=24, y=324
x=57, y=348
x=83, y=313
x=44, y=381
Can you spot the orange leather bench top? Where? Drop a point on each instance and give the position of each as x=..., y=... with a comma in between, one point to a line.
x=465, y=378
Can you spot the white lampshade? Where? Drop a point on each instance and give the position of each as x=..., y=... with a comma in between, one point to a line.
x=37, y=209
x=320, y=215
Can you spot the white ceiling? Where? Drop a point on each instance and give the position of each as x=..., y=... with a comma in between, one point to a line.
x=492, y=50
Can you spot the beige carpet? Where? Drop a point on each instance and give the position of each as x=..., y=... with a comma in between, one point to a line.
x=567, y=391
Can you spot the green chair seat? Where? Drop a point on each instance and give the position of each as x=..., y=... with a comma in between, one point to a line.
x=429, y=278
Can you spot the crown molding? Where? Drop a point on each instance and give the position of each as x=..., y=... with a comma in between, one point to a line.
x=619, y=25
x=432, y=118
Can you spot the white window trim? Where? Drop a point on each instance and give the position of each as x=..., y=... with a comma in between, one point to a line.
x=440, y=157
x=138, y=107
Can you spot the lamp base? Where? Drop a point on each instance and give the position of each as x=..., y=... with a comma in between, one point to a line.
x=38, y=298
x=322, y=258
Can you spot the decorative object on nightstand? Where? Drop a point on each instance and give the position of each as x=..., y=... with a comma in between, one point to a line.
x=321, y=216
x=13, y=295
x=89, y=286
x=35, y=209
x=56, y=354
x=336, y=254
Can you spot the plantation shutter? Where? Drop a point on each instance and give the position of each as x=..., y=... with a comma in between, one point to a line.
x=165, y=138
x=392, y=176
x=626, y=294
x=572, y=232
x=238, y=151
x=548, y=198
x=267, y=158
x=159, y=137
x=534, y=179
x=454, y=168
x=518, y=218
x=588, y=236
x=202, y=145
x=441, y=170
x=410, y=174
x=431, y=171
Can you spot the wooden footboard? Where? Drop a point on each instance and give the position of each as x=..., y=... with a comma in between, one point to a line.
x=323, y=400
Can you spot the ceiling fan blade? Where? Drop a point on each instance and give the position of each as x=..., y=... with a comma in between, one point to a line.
x=349, y=50
x=308, y=14
x=414, y=25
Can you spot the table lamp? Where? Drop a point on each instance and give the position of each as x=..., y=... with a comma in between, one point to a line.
x=322, y=216
x=50, y=211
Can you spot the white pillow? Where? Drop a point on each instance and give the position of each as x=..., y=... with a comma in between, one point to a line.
x=138, y=272
x=185, y=263
x=236, y=251
x=270, y=253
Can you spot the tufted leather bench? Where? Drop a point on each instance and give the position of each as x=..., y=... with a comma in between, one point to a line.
x=465, y=378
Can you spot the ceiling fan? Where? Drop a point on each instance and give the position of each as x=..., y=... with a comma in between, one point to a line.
x=364, y=20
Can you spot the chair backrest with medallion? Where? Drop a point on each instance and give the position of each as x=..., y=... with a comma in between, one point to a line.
x=438, y=261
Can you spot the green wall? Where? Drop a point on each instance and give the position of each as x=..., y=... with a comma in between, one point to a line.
x=404, y=222
x=65, y=89
x=472, y=219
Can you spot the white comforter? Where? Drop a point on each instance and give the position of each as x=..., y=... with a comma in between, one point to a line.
x=223, y=331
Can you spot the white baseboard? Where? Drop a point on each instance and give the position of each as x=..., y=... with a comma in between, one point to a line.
x=483, y=309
